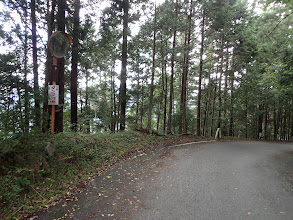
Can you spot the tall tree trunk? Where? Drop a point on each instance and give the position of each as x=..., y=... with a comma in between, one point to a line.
x=114, y=109
x=137, y=100
x=48, y=70
x=260, y=121
x=185, y=71
x=118, y=111
x=26, y=95
x=198, y=119
x=214, y=106
x=246, y=112
x=220, y=91
x=35, y=66
x=275, y=123
x=123, y=66
x=291, y=134
x=278, y=120
x=81, y=102
x=60, y=66
x=289, y=108
x=10, y=100
x=141, y=107
x=165, y=96
x=159, y=113
x=169, y=124
x=225, y=95
x=87, y=105
x=20, y=106
x=149, y=122
x=164, y=93
x=207, y=108
x=266, y=115
x=284, y=122
x=266, y=108
x=74, y=64
x=160, y=104
x=281, y=128
x=113, y=98
x=231, y=124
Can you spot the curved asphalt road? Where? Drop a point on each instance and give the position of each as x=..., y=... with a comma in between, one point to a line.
x=219, y=180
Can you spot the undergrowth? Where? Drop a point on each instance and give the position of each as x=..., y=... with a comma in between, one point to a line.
x=38, y=170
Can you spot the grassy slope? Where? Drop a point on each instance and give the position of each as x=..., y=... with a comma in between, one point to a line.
x=30, y=179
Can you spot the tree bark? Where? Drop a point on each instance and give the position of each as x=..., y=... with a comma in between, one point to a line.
x=35, y=66
x=149, y=122
x=26, y=95
x=231, y=124
x=20, y=106
x=220, y=91
x=214, y=106
x=142, y=107
x=284, y=122
x=123, y=66
x=246, y=112
x=198, y=119
x=81, y=102
x=207, y=108
x=160, y=104
x=137, y=97
x=278, y=120
x=185, y=71
x=169, y=124
x=87, y=107
x=225, y=95
x=74, y=66
x=291, y=134
x=60, y=66
x=289, y=107
x=260, y=121
x=165, y=96
x=275, y=122
x=113, y=98
x=48, y=70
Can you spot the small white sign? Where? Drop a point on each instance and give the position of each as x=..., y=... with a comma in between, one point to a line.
x=53, y=95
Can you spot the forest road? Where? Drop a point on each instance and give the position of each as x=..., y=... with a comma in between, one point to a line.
x=219, y=180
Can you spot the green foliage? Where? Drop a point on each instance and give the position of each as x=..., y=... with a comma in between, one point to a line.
x=288, y=3
x=251, y=51
x=29, y=174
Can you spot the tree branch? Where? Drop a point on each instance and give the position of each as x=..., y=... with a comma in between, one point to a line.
x=278, y=24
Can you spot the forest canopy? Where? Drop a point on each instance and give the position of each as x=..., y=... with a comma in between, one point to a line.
x=173, y=67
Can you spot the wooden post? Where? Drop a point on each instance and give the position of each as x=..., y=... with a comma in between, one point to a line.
x=54, y=83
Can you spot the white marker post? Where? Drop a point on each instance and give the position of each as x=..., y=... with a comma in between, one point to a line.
x=218, y=134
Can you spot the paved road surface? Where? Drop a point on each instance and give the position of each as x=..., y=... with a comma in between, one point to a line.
x=219, y=180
